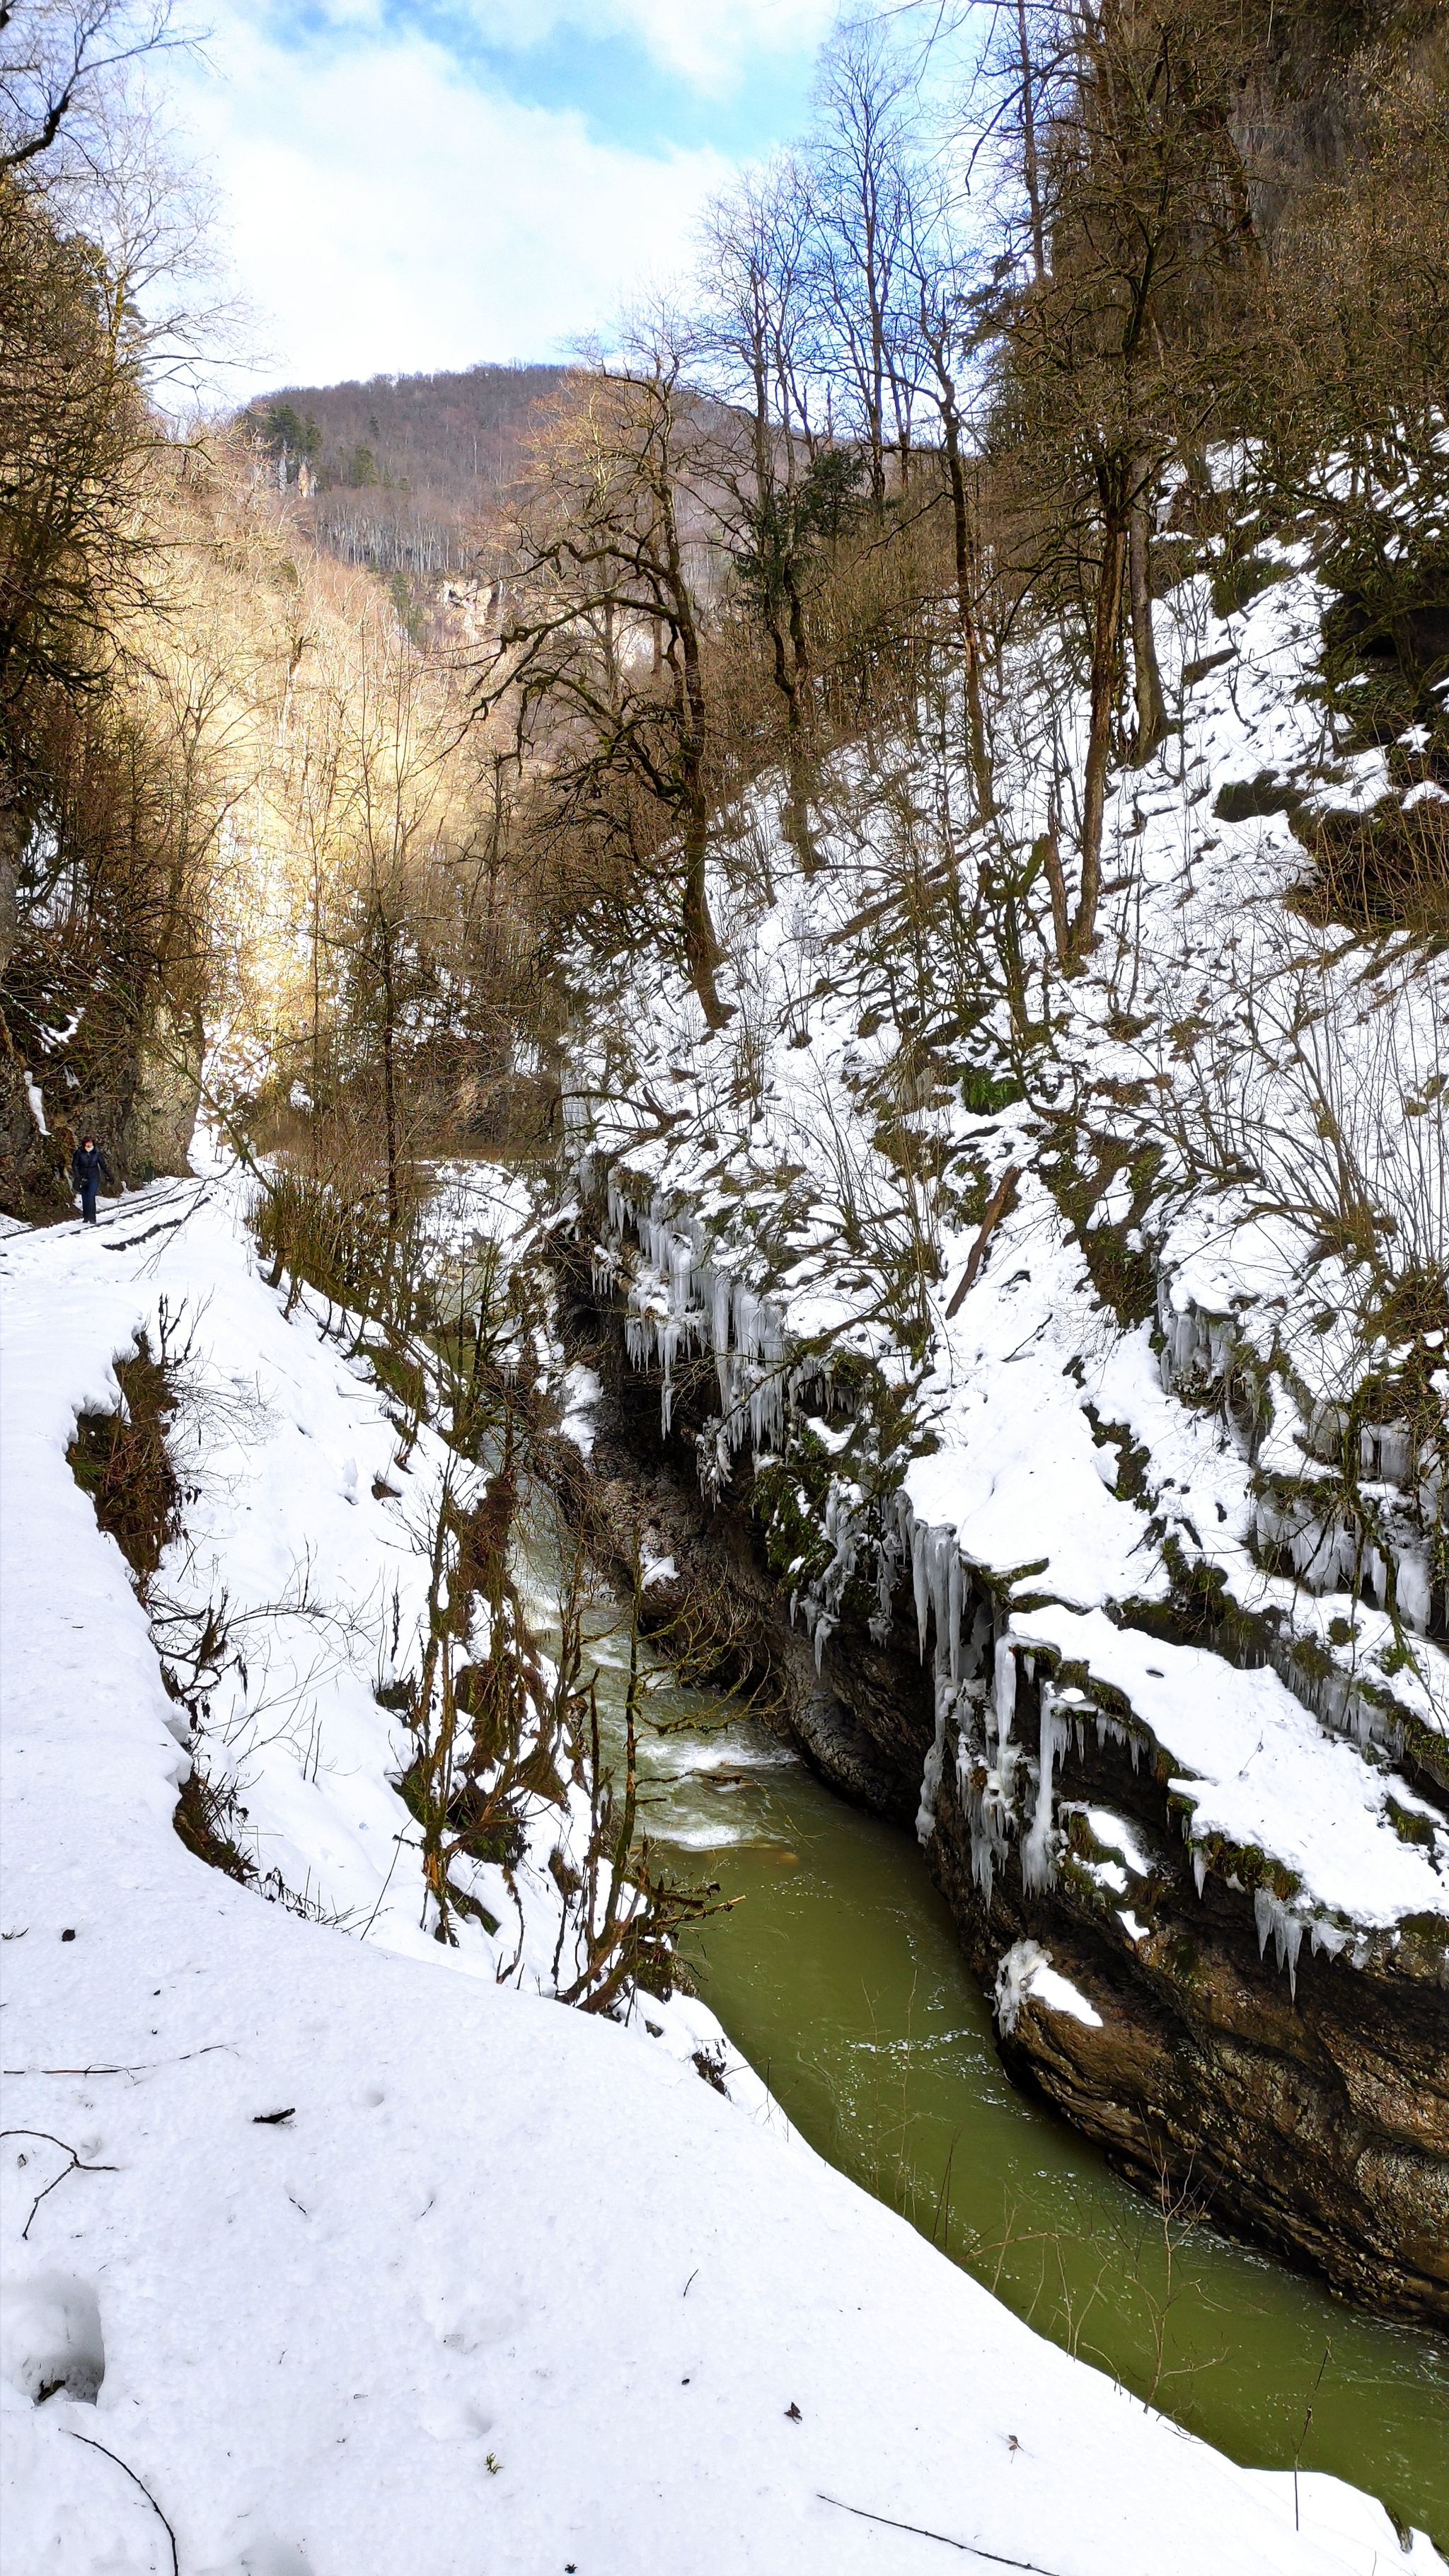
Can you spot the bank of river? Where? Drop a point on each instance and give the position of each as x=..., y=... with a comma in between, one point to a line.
x=838, y=1976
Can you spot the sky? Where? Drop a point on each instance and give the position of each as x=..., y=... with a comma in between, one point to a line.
x=411, y=186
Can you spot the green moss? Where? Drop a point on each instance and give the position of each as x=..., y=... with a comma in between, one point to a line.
x=1243, y=800
x=788, y=1501
x=1410, y=1828
x=1311, y=1658
x=1133, y=1459
x=984, y=1093
x=1239, y=579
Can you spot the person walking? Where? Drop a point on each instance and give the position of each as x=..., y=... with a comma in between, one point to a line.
x=88, y=1168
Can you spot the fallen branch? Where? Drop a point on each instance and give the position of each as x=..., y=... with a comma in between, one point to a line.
x=75, y=2166
x=92, y=2445
x=1000, y=1204
x=967, y=2547
x=147, y=2066
x=129, y=1242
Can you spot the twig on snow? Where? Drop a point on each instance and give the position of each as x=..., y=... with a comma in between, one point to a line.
x=968, y=2548
x=93, y=2445
x=76, y=2165
x=148, y=2066
x=1000, y=1204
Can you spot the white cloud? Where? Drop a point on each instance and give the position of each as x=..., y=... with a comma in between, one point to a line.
x=707, y=42
x=387, y=214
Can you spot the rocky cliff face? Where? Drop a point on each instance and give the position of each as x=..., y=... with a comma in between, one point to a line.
x=1302, y=2102
x=1299, y=118
x=139, y=1099
x=1311, y=2109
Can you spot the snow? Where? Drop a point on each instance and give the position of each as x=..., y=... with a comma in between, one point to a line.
x=1118, y=1835
x=1259, y=1770
x=355, y=2259
x=1060, y=1995
x=1026, y=1969
x=583, y=1390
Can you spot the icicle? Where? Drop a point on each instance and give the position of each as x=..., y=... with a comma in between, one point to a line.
x=1413, y=1588
x=1037, y=1866
x=1270, y=1914
x=942, y=1551
x=1013, y=1982
x=1199, y=1867
x=680, y=1257
x=887, y=1559
x=931, y=1776
x=921, y=1581
x=1005, y=1689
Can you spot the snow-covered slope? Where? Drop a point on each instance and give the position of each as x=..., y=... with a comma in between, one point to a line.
x=1056, y=1283
x=327, y=2256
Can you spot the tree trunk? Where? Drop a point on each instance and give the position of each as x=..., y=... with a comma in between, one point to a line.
x=1047, y=849
x=389, y=1081
x=1147, y=678
x=701, y=948
x=795, y=810
x=1030, y=171
x=12, y=843
x=970, y=644
x=1099, y=739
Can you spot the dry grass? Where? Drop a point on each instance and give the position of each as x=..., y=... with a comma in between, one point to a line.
x=122, y=1462
x=1381, y=871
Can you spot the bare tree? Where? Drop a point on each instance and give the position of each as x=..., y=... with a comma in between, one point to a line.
x=857, y=162
x=59, y=67
x=953, y=317
x=756, y=330
x=1115, y=355
x=601, y=657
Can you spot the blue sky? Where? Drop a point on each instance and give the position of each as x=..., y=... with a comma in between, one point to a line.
x=410, y=186
x=741, y=85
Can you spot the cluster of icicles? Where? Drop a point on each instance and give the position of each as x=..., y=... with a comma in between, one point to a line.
x=681, y=1298
x=1005, y=1789
x=1329, y=1543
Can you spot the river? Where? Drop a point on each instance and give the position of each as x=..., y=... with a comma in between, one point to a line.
x=837, y=1974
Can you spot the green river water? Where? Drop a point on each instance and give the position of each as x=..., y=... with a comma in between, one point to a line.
x=839, y=1977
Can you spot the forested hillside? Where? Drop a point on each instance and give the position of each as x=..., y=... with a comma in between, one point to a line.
x=402, y=471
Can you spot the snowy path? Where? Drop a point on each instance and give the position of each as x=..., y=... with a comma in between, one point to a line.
x=508, y=2289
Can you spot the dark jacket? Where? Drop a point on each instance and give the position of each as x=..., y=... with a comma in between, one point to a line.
x=88, y=1170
